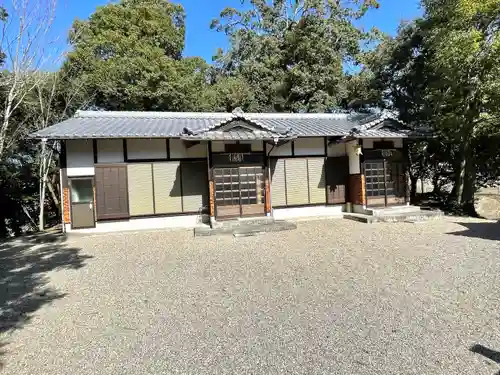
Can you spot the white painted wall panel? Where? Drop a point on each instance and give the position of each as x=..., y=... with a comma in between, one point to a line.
x=110, y=151
x=178, y=150
x=283, y=150
x=80, y=158
x=309, y=146
x=368, y=143
x=354, y=159
x=256, y=145
x=308, y=212
x=337, y=149
x=140, y=149
x=218, y=146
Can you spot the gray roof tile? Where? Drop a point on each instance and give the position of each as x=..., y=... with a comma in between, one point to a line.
x=99, y=124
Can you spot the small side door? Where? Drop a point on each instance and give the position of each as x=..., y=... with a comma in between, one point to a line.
x=82, y=203
x=337, y=179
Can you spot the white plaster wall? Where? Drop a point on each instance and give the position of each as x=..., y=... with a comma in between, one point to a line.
x=309, y=146
x=110, y=151
x=283, y=150
x=337, y=149
x=354, y=162
x=256, y=145
x=308, y=212
x=80, y=157
x=141, y=149
x=181, y=221
x=218, y=146
x=178, y=150
x=368, y=142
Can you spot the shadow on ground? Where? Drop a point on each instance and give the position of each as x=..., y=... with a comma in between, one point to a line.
x=486, y=230
x=488, y=353
x=23, y=280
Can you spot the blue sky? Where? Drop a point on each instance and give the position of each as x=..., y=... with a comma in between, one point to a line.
x=201, y=41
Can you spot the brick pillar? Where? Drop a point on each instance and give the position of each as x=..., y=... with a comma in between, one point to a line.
x=211, y=197
x=66, y=208
x=267, y=189
x=357, y=190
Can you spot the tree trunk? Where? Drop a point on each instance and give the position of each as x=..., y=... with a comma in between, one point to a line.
x=436, y=186
x=458, y=188
x=468, y=201
x=54, y=196
x=45, y=161
x=41, y=216
x=413, y=187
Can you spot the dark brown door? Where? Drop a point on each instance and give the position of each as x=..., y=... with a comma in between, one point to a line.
x=239, y=191
x=111, y=192
x=82, y=203
x=337, y=175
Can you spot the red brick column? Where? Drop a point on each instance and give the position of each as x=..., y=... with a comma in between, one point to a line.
x=357, y=190
x=66, y=214
x=211, y=197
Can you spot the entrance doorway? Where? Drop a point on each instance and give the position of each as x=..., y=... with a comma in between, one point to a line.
x=385, y=182
x=82, y=203
x=239, y=191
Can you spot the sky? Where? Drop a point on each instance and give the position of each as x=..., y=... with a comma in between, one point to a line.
x=201, y=41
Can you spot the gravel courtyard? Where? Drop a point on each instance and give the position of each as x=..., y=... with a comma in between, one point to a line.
x=332, y=297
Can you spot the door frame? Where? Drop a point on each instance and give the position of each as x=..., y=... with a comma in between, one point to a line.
x=385, y=161
x=238, y=166
x=92, y=178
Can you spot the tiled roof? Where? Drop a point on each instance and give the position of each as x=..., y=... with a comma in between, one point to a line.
x=101, y=124
x=234, y=136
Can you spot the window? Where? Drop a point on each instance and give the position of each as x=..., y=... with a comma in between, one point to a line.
x=82, y=191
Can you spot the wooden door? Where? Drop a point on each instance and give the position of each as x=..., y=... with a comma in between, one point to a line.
x=375, y=175
x=111, y=192
x=385, y=182
x=337, y=177
x=252, y=195
x=82, y=203
x=239, y=191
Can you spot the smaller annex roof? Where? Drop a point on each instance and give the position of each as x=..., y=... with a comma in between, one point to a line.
x=214, y=126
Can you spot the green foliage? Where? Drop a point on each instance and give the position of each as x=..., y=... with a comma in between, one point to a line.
x=443, y=71
x=128, y=56
x=292, y=53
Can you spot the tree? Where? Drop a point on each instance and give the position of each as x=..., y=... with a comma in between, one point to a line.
x=25, y=28
x=464, y=41
x=53, y=100
x=129, y=55
x=292, y=52
x=442, y=71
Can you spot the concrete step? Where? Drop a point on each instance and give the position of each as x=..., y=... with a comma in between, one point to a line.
x=249, y=228
x=242, y=222
x=384, y=211
x=409, y=217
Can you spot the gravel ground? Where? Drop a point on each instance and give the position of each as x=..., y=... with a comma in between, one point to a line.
x=332, y=297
